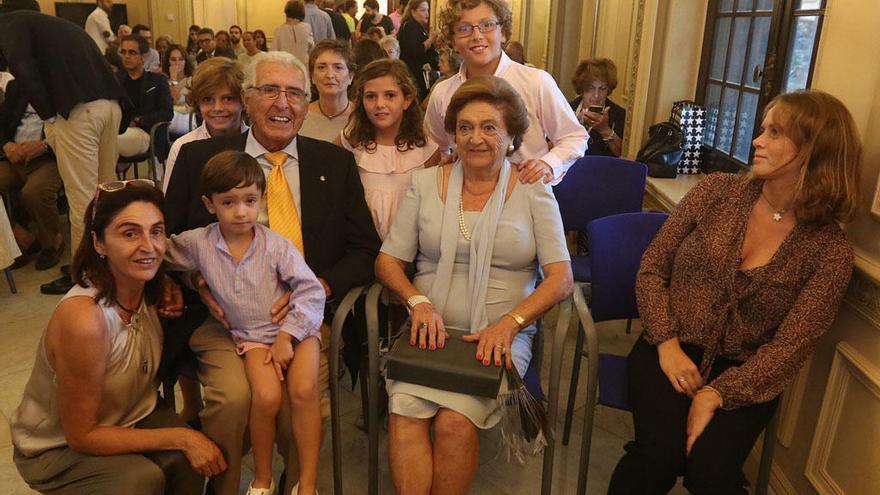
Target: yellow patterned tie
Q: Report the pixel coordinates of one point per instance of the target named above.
(283, 217)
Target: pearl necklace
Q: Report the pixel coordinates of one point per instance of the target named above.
(461, 225)
(777, 213)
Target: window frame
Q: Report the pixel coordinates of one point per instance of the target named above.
(782, 19)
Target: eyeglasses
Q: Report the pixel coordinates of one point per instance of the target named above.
(269, 92)
(113, 186)
(465, 30)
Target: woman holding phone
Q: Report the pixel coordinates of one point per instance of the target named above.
(595, 79)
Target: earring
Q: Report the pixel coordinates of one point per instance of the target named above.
(102, 256)
(510, 149)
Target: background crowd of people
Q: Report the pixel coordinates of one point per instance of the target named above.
(348, 150)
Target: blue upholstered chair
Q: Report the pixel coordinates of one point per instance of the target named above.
(616, 244)
(595, 187)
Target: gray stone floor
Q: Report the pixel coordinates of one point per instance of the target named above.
(23, 316)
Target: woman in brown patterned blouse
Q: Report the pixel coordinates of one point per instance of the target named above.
(734, 293)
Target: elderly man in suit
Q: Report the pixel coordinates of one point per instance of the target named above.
(316, 181)
(79, 102)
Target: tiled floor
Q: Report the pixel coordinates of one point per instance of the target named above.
(23, 316)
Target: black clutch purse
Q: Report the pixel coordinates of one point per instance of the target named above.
(453, 368)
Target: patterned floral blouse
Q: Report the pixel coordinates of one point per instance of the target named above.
(770, 317)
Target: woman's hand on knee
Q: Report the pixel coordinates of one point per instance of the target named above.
(682, 373)
(203, 454)
(427, 329)
(701, 412)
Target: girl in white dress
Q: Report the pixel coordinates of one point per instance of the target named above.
(385, 134)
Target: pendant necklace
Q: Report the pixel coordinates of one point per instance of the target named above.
(777, 212)
(331, 117)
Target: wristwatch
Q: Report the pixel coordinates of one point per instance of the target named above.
(610, 137)
(520, 321)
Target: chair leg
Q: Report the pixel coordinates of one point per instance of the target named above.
(562, 323)
(10, 280)
(372, 378)
(572, 387)
(592, 341)
(629, 326)
(335, 340)
(763, 480)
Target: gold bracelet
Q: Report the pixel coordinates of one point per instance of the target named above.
(709, 388)
(520, 321)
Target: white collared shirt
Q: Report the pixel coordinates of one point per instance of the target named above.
(290, 168)
(550, 116)
(97, 23)
(197, 134)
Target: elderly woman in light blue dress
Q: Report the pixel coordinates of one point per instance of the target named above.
(478, 237)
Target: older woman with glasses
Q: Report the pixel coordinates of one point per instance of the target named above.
(478, 237)
(90, 420)
(477, 29)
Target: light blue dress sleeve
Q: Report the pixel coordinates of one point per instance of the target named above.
(547, 224)
(403, 238)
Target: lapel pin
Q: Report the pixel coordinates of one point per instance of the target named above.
(322, 178)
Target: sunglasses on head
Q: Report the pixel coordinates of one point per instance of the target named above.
(113, 186)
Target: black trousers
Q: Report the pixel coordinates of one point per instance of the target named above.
(656, 458)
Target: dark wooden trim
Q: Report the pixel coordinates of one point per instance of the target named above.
(705, 55)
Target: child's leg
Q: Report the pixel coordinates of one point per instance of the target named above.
(265, 402)
(191, 392)
(302, 385)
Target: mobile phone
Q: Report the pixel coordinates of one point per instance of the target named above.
(596, 108)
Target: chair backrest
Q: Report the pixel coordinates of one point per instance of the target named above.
(598, 186)
(160, 141)
(617, 243)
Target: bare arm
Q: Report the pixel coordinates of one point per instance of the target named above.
(557, 285)
(77, 345)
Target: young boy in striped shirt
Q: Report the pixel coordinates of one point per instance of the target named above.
(249, 266)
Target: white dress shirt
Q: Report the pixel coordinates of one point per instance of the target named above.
(550, 116)
(197, 134)
(290, 168)
(97, 23)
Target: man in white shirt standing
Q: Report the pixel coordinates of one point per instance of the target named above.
(98, 25)
(478, 33)
(322, 26)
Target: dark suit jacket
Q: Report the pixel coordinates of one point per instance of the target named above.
(340, 240)
(339, 237)
(154, 104)
(219, 52)
(340, 27)
(57, 63)
(11, 111)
